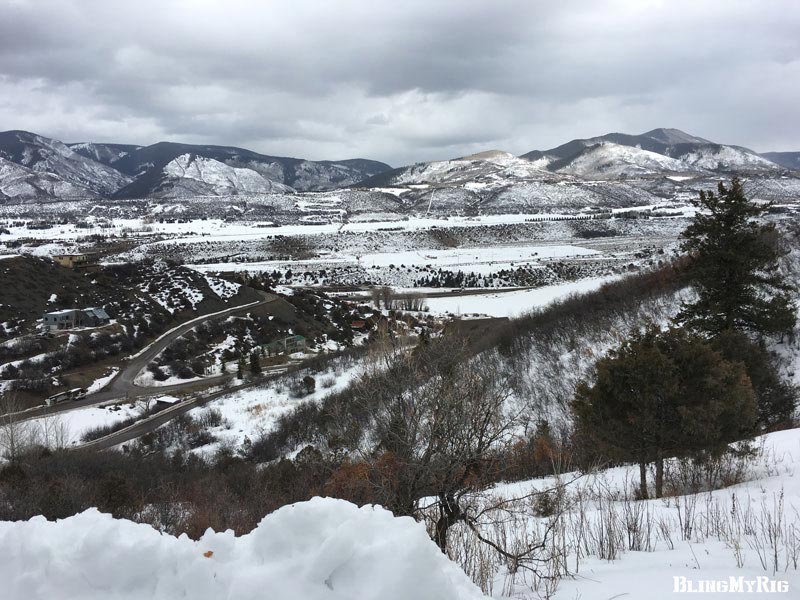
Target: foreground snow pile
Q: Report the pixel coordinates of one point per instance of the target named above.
(321, 549)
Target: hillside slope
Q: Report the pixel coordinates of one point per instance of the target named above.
(147, 164)
(55, 159)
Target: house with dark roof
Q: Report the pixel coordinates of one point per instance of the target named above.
(71, 318)
(287, 345)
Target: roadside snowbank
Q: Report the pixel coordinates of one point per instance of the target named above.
(322, 549)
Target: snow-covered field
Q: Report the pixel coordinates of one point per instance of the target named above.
(323, 549)
(474, 259)
(478, 260)
(511, 304)
(66, 428)
(214, 229)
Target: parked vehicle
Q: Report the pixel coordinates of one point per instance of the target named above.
(75, 394)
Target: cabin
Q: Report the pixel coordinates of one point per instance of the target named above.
(71, 318)
(75, 261)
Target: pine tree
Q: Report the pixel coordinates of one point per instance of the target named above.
(775, 398)
(255, 363)
(661, 395)
(734, 268)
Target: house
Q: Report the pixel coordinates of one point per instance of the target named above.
(74, 261)
(94, 317)
(71, 318)
(287, 345)
(60, 319)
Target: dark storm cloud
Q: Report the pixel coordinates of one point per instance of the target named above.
(399, 81)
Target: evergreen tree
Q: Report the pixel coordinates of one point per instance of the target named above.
(661, 395)
(255, 363)
(240, 366)
(734, 268)
(775, 398)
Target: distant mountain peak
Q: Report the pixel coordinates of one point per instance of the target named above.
(489, 155)
(673, 136)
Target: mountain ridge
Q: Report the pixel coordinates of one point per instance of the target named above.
(39, 168)
(52, 169)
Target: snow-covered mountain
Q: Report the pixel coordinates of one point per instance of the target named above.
(56, 159)
(607, 160)
(656, 153)
(20, 183)
(490, 169)
(48, 169)
(727, 159)
(107, 154)
(129, 171)
(146, 165)
(694, 152)
(190, 175)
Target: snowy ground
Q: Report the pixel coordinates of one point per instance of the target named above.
(749, 530)
(482, 260)
(471, 258)
(248, 413)
(68, 427)
(154, 237)
(323, 549)
(511, 304)
(101, 382)
(219, 230)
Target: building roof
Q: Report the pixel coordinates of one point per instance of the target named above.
(97, 312)
(58, 313)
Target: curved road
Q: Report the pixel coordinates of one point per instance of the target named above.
(123, 386)
(155, 421)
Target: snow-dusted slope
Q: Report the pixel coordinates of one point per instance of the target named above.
(715, 157)
(323, 549)
(107, 154)
(19, 183)
(491, 169)
(608, 160)
(694, 152)
(196, 175)
(147, 163)
(45, 155)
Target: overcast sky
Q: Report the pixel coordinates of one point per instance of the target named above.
(399, 80)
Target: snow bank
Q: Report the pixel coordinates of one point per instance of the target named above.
(101, 382)
(321, 549)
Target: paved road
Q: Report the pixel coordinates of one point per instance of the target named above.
(123, 386)
(145, 426)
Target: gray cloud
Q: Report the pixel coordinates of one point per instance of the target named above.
(399, 81)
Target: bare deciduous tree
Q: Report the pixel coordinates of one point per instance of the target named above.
(439, 417)
(16, 435)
